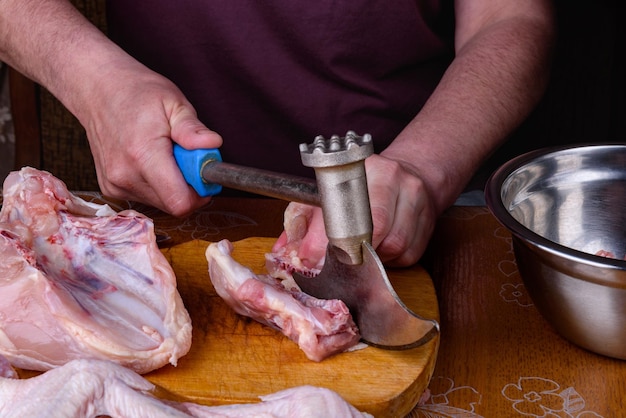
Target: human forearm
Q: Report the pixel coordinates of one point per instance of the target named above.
(53, 44)
(498, 75)
(130, 113)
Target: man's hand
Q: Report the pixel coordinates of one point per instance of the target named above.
(403, 211)
(131, 132)
(403, 215)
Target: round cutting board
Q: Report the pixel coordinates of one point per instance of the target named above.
(234, 359)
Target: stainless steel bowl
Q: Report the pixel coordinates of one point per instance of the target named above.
(562, 206)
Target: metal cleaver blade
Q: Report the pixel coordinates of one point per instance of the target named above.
(383, 319)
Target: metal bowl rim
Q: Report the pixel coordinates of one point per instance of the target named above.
(496, 206)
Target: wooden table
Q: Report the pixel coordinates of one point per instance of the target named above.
(497, 356)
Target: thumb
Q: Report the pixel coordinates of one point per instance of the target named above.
(190, 133)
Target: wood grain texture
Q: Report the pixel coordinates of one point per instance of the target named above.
(234, 359)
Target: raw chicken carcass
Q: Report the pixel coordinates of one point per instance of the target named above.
(321, 328)
(91, 388)
(79, 280)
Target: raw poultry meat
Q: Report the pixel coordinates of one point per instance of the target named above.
(6, 370)
(91, 388)
(321, 328)
(291, 249)
(608, 254)
(82, 281)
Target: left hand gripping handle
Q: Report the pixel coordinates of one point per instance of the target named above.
(191, 163)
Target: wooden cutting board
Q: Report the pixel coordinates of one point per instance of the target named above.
(234, 359)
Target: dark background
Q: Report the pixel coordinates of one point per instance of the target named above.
(586, 98)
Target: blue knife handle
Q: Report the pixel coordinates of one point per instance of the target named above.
(191, 163)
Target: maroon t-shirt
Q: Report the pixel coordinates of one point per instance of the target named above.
(269, 75)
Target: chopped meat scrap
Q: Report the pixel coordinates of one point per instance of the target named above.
(78, 280)
(90, 388)
(321, 328)
(6, 370)
(608, 254)
(293, 246)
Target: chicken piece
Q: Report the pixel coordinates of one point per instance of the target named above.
(91, 388)
(82, 281)
(292, 247)
(608, 254)
(6, 370)
(321, 328)
(298, 402)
